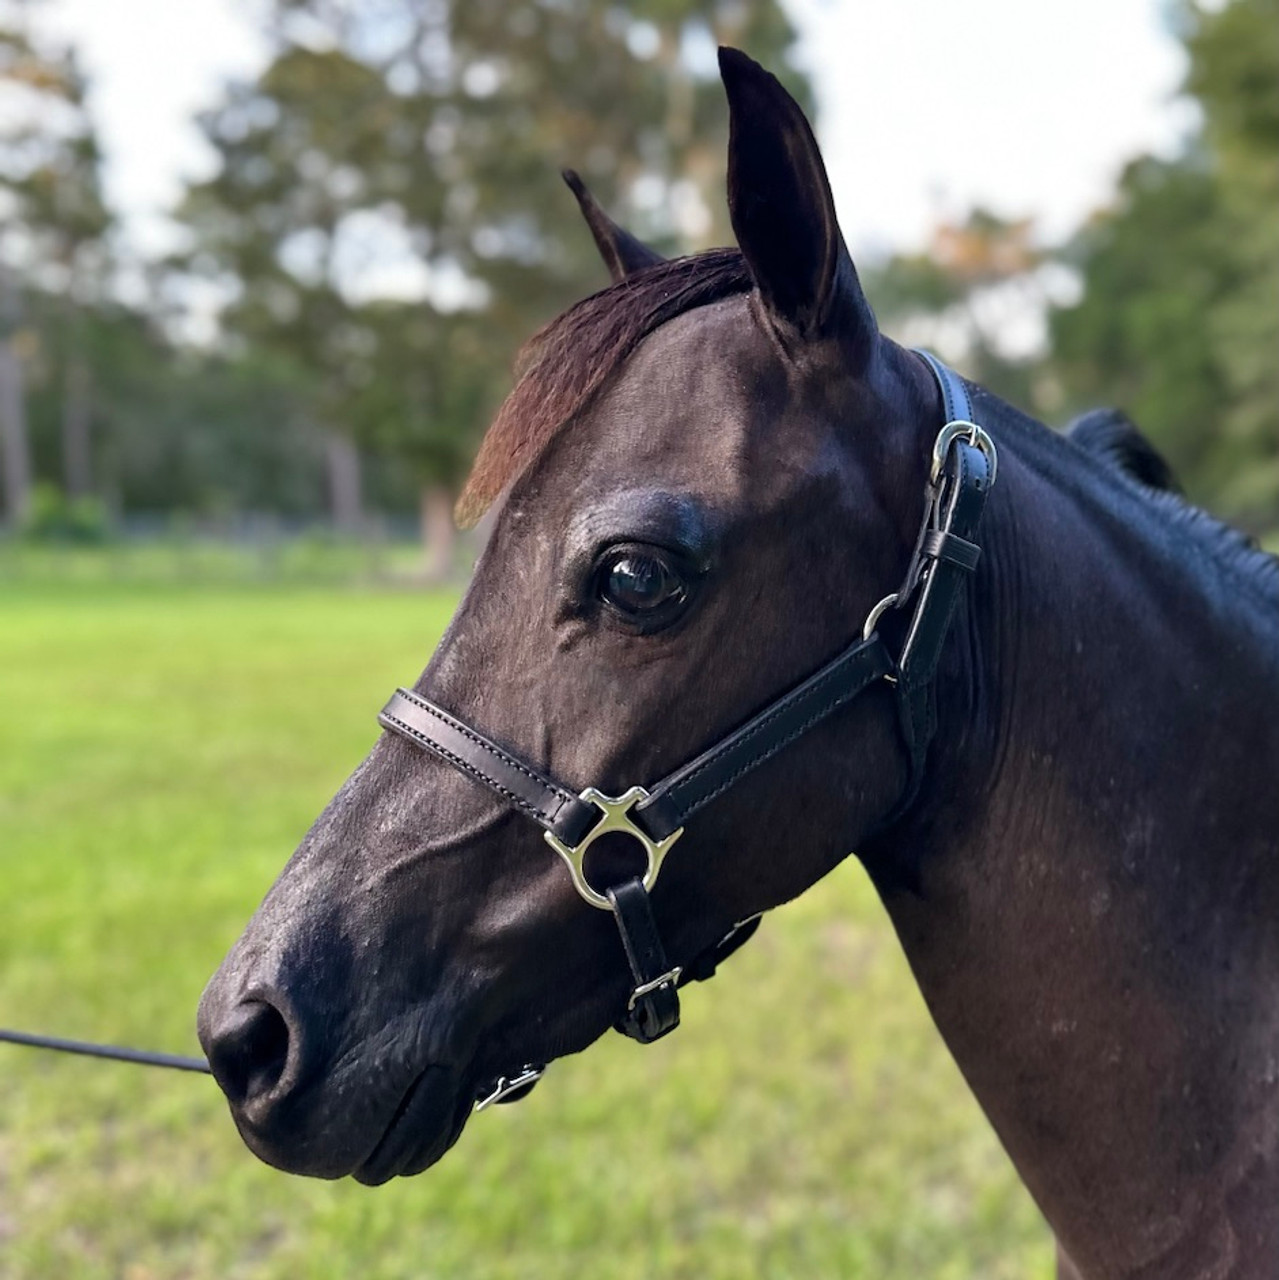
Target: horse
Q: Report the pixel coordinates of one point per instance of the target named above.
(1046, 719)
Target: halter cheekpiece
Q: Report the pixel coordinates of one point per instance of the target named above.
(961, 473)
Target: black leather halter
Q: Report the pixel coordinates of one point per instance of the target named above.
(945, 553)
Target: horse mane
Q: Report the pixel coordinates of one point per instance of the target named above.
(1111, 437)
(1111, 434)
(561, 369)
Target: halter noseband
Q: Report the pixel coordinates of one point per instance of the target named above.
(945, 553)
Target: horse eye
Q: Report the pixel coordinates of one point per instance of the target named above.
(641, 584)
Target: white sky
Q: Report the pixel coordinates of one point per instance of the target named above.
(1030, 107)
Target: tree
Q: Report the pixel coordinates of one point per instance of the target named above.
(1179, 316)
(1234, 73)
(52, 239)
(972, 295)
(1155, 267)
(387, 213)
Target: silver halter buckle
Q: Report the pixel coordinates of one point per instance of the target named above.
(670, 978)
(956, 429)
(975, 435)
(616, 811)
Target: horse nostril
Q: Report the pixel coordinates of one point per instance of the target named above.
(249, 1051)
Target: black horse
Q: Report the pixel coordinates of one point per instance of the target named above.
(708, 476)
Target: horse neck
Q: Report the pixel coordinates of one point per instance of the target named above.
(1095, 880)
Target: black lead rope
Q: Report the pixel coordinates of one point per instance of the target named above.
(117, 1053)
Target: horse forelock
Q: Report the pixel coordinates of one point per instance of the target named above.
(561, 369)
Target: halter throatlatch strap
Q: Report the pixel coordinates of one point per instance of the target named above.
(702, 968)
(944, 554)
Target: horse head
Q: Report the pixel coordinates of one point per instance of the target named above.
(705, 478)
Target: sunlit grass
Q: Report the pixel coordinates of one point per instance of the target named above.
(161, 751)
(300, 559)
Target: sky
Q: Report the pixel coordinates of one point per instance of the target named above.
(927, 107)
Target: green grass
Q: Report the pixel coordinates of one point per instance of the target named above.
(307, 559)
(157, 766)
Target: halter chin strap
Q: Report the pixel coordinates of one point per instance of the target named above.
(961, 473)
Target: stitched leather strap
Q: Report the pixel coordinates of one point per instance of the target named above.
(952, 557)
(703, 966)
(539, 797)
(945, 554)
(955, 401)
(677, 796)
(681, 794)
(653, 1010)
(964, 499)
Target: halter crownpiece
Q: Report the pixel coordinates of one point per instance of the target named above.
(962, 470)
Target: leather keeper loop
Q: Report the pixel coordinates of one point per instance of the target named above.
(939, 545)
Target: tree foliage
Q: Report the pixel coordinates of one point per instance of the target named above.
(965, 295)
(385, 223)
(54, 215)
(1179, 317)
(53, 225)
(387, 215)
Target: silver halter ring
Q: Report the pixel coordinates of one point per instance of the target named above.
(616, 811)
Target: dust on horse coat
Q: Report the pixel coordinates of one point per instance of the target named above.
(706, 477)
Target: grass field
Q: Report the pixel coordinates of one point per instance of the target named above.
(156, 769)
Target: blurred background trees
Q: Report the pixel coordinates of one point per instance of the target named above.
(384, 224)
(1179, 318)
(387, 219)
(1175, 313)
(54, 261)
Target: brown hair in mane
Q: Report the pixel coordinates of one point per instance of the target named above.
(564, 365)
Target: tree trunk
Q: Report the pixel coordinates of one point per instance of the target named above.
(15, 450)
(77, 411)
(345, 498)
(439, 534)
(13, 437)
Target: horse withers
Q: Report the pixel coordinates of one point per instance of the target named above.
(706, 479)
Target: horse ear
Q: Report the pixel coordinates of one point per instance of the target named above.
(623, 254)
(782, 210)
